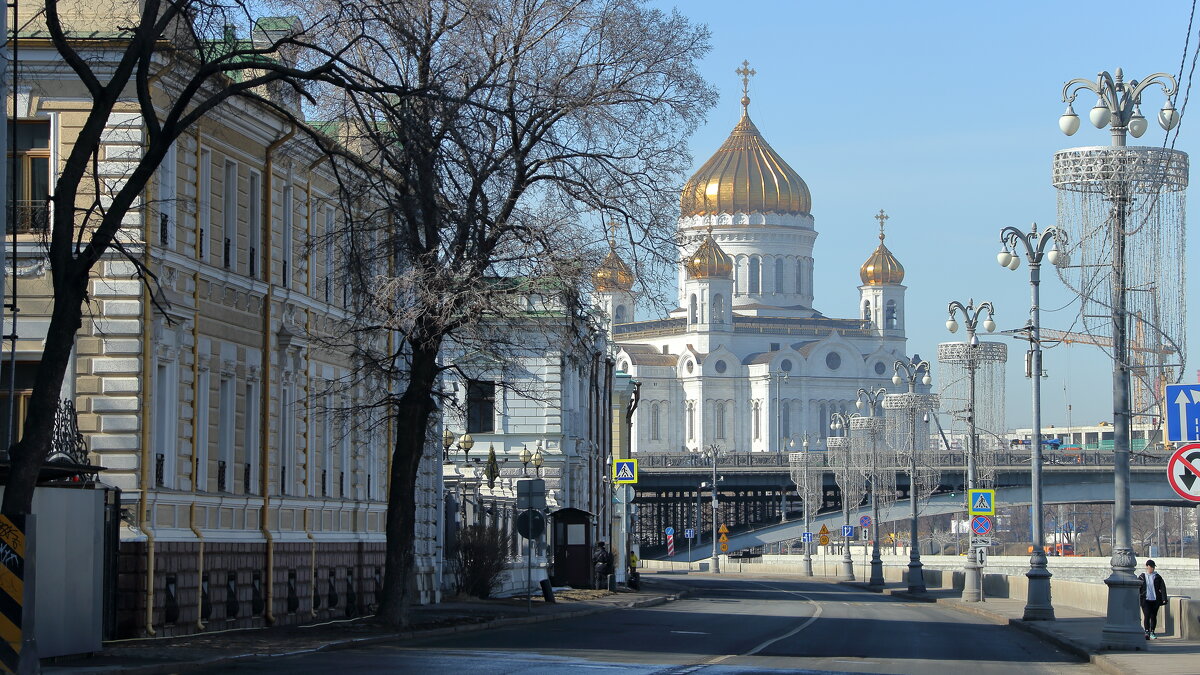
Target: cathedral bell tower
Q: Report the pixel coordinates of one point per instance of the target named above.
(614, 288)
(708, 288)
(881, 304)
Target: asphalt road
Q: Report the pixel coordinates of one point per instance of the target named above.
(728, 626)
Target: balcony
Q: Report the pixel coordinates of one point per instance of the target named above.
(32, 217)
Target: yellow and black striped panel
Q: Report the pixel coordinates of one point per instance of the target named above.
(12, 590)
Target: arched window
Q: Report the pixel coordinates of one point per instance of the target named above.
(754, 277)
(692, 311)
(719, 420)
(619, 314)
(785, 420)
(889, 315)
(691, 420)
(824, 421)
(800, 275)
(778, 275)
(866, 311)
(718, 308)
(654, 423)
(756, 421)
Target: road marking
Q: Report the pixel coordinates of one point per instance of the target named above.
(689, 632)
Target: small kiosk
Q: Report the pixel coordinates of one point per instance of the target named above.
(571, 541)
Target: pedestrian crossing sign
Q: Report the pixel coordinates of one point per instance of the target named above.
(981, 502)
(624, 471)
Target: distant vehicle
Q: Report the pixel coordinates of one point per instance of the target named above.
(1064, 550)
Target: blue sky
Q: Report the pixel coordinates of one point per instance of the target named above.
(945, 115)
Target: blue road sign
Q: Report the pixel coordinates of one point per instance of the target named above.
(807, 537)
(981, 525)
(847, 530)
(670, 530)
(1083, 527)
(981, 502)
(689, 533)
(865, 521)
(1183, 413)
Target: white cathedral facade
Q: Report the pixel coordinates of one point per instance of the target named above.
(746, 361)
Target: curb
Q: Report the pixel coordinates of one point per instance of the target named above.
(351, 643)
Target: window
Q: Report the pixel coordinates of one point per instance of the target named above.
(326, 468)
(167, 186)
(329, 254)
(720, 367)
(879, 368)
(833, 360)
(778, 275)
(204, 218)
(250, 442)
(203, 402)
(866, 311)
(889, 315)
(345, 469)
(785, 420)
(229, 215)
(163, 418)
(754, 279)
(29, 186)
(692, 311)
(786, 365)
(691, 420)
(287, 206)
(254, 222)
(719, 421)
(227, 430)
(26, 372)
(655, 428)
(755, 421)
(718, 308)
(823, 421)
(800, 275)
(619, 314)
(287, 430)
(481, 407)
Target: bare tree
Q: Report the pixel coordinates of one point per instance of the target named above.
(171, 62)
(514, 130)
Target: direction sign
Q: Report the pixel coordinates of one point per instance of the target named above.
(981, 556)
(669, 530)
(624, 471)
(865, 521)
(724, 547)
(689, 533)
(1183, 412)
(866, 534)
(981, 525)
(1183, 472)
(824, 540)
(981, 502)
(806, 537)
(824, 529)
(847, 530)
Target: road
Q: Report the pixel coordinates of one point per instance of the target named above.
(729, 625)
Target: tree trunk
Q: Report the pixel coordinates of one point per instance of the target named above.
(412, 414)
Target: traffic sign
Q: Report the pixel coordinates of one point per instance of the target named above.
(807, 537)
(824, 529)
(865, 521)
(531, 523)
(1183, 469)
(669, 530)
(866, 534)
(724, 538)
(981, 502)
(847, 530)
(981, 525)
(689, 533)
(981, 556)
(724, 547)
(625, 471)
(1183, 413)
(722, 529)
(824, 540)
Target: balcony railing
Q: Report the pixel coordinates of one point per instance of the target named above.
(32, 217)
(819, 458)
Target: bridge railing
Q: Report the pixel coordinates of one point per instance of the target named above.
(767, 460)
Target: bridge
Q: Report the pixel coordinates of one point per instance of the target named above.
(755, 492)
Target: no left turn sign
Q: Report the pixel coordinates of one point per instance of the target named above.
(1183, 471)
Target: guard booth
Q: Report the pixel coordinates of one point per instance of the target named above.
(571, 548)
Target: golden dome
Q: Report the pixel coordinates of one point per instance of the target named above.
(882, 268)
(745, 176)
(709, 261)
(613, 274)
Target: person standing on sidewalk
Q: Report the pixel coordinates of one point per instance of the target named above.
(601, 564)
(1154, 595)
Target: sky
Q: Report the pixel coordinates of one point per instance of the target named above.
(945, 115)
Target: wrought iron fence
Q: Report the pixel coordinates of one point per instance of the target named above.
(33, 217)
(681, 460)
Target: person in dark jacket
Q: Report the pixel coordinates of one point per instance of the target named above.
(601, 564)
(1154, 595)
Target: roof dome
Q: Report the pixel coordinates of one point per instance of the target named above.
(709, 261)
(882, 268)
(745, 175)
(613, 274)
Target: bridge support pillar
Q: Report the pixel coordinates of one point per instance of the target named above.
(1037, 602)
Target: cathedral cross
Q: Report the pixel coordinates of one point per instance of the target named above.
(881, 217)
(746, 72)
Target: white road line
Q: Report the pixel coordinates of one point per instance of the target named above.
(689, 632)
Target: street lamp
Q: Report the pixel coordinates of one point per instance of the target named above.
(1033, 244)
(972, 581)
(808, 570)
(525, 457)
(712, 452)
(847, 482)
(869, 400)
(447, 441)
(1117, 107)
(913, 404)
(538, 459)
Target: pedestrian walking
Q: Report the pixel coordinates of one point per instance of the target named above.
(601, 564)
(635, 580)
(1154, 595)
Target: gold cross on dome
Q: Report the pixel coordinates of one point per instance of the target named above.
(612, 236)
(746, 72)
(881, 217)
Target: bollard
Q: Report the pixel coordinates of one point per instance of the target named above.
(547, 591)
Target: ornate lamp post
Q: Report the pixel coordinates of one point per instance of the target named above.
(873, 426)
(799, 469)
(972, 581)
(538, 459)
(911, 405)
(711, 452)
(1083, 170)
(1033, 245)
(848, 481)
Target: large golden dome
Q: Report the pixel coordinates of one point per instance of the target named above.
(882, 268)
(613, 274)
(745, 176)
(709, 261)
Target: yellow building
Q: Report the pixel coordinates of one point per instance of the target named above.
(252, 495)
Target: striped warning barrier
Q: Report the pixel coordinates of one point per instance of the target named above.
(670, 544)
(12, 590)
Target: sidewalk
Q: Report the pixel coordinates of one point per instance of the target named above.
(1074, 630)
(208, 650)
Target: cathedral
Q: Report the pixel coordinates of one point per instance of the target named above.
(746, 362)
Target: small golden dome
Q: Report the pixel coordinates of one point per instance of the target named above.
(709, 261)
(882, 268)
(745, 176)
(613, 274)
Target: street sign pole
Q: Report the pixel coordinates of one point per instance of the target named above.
(529, 561)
